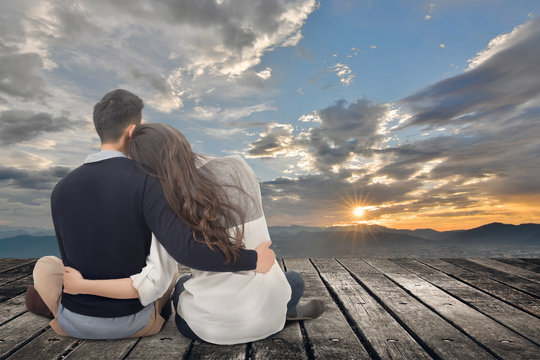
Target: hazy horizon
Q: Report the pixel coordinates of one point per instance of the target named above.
(407, 114)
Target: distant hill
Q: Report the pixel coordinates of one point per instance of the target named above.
(523, 234)
(491, 240)
(10, 231)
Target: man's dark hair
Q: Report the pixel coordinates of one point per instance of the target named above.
(114, 112)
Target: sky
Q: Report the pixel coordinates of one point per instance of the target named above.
(418, 114)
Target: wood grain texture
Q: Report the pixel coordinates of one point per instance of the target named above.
(501, 291)
(19, 331)
(520, 263)
(444, 340)
(102, 349)
(330, 335)
(48, 345)
(509, 269)
(11, 263)
(516, 282)
(496, 337)
(524, 324)
(396, 309)
(383, 333)
(11, 308)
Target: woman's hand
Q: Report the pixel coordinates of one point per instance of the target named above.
(73, 281)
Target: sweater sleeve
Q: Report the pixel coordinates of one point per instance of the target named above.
(177, 239)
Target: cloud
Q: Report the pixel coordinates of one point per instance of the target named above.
(344, 73)
(17, 126)
(499, 79)
(428, 16)
(275, 140)
(19, 76)
(265, 74)
(167, 51)
(215, 113)
(30, 179)
(342, 131)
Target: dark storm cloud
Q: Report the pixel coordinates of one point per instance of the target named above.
(502, 82)
(17, 126)
(28, 179)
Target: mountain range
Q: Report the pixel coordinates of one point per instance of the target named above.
(491, 240)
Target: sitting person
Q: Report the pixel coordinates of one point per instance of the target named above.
(220, 200)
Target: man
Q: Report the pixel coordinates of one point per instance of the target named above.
(104, 214)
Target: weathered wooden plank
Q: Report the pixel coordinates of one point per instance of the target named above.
(11, 263)
(383, 333)
(16, 273)
(102, 349)
(444, 340)
(48, 345)
(203, 350)
(521, 322)
(516, 282)
(499, 339)
(12, 308)
(532, 260)
(509, 269)
(20, 330)
(520, 263)
(330, 335)
(501, 291)
(167, 344)
(15, 288)
(287, 344)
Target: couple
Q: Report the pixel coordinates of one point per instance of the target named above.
(131, 212)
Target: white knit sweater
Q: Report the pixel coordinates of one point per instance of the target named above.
(225, 308)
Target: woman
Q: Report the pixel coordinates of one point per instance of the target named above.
(220, 200)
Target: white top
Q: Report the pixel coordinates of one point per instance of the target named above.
(231, 307)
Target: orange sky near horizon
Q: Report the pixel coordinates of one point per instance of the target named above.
(515, 210)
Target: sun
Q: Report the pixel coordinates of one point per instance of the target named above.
(358, 211)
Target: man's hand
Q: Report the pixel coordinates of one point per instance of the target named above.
(73, 281)
(265, 257)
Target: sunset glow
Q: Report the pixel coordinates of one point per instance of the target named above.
(358, 211)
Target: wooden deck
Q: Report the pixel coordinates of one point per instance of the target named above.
(374, 309)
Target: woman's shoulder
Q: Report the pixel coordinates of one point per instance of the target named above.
(230, 162)
(229, 168)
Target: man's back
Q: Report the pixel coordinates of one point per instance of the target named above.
(98, 215)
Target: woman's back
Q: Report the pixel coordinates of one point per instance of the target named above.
(228, 308)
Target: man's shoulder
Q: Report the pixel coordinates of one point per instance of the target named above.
(120, 166)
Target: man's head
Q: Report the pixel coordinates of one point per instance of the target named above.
(114, 113)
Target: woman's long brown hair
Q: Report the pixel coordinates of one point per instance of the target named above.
(198, 200)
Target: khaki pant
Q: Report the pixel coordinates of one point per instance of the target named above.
(48, 276)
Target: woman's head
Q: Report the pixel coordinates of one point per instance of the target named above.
(193, 195)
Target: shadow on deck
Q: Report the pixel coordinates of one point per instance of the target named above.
(374, 309)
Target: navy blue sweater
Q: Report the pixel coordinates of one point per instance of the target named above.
(104, 214)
